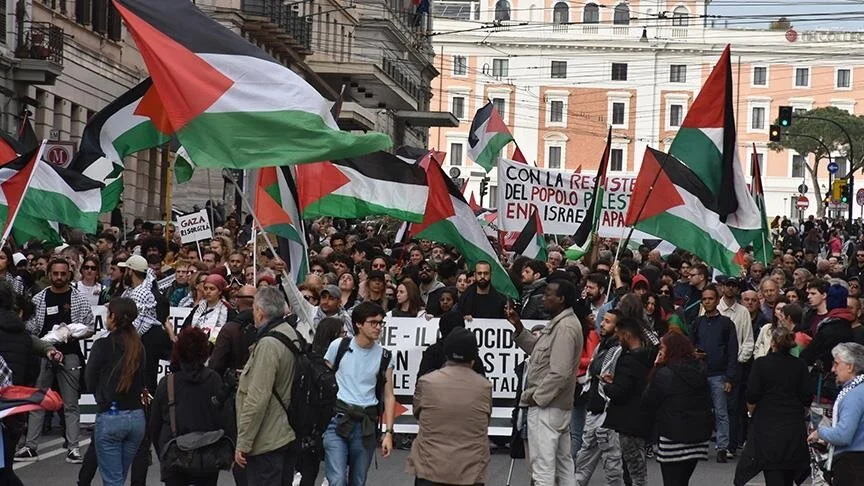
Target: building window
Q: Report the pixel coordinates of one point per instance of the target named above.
(499, 104)
(676, 115)
(798, 164)
(561, 13)
(802, 77)
(844, 78)
(680, 17)
(760, 76)
(458, 107)
(559, 69)
(616, 159)
(678, 73)
(502, 10)
(554, 160)
(621, 15)
(460, 65)
(617, 113)
(500, 68)
(619, 71)
(757, 120)
(455, 154)
(591, 14)
(83, 12)
(556, 111)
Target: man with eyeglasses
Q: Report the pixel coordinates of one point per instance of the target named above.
(856, 268)
(364, 373)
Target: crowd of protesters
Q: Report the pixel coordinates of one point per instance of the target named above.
(643, 355)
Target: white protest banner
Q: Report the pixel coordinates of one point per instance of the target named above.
(562, 198)
(194, 227)
(407, 338)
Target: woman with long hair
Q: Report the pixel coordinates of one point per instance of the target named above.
(654, 314)
(90, 285)
(349, 287)
(678, 392)
(213, 311)
(195, 390)
(408, 300)
(8, 271)
(116, 378)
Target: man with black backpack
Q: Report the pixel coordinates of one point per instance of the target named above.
(364, 373)
(264, 438)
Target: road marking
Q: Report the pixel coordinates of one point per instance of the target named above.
(47, 455)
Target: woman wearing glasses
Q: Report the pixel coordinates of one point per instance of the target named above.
(89, 286)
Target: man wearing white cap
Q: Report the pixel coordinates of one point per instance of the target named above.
(139, 287)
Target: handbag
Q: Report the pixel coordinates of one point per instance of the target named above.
(195, 453)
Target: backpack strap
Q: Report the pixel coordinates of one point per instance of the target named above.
(344, 346)
(172, 405)
(294, 349)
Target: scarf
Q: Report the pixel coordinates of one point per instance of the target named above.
(210, 319)
(848, 387)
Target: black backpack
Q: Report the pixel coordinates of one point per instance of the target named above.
(163, 305)
(313, 393)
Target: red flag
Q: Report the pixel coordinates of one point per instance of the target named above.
(518, 157)
(14, 179)
(473, 203)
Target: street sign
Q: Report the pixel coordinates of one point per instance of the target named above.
(832, 167)
(802, 188)
(802, 203)
(859, 196)
(59, 153)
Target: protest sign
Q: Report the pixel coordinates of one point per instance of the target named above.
(194, 227)
(561, 198)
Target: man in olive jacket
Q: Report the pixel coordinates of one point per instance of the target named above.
(263, 431)
(550, 383)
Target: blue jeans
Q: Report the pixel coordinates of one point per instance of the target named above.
(577, 426)
(346, 454)
(721, 415)
(117, 438)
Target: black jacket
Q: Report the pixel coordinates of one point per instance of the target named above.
(194, 389)
(103, 370)
(490, 306)
(231, 350)
(779, 385)
(16, 348)
(832, 331)
(717, 337)
(531, 305)
(625, 413)
(679, 398)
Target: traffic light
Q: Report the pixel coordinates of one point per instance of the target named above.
(827, 197)
(846, 196)
(774, 133)
(484, 186)
(838, 191)
(786, 113)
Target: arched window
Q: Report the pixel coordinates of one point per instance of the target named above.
(502, 10)
(622, 14)
(561, 13)
(680, 17)
(532, 13)
(591, 14)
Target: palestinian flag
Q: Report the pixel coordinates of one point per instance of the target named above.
(183, 166)
(763, 249)
(25, 140)
(588, 226)
(696, 197)
(450, 220)
(126, 126)
(228, 102)
(531, 242)
(64, 196)
(369, 185)
(488, 135)
(277, 210)
(15, 178)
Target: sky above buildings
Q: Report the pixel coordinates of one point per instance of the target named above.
(844, 15)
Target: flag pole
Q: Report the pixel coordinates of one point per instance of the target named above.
(644, 203)
(170, 176)
(254, 256)
(11, 218)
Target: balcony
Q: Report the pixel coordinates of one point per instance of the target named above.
(278, 26)
(413, 27)
(39, 54)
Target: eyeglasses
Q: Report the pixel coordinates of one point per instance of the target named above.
(665, 292)
(88, 267)
(375, 323)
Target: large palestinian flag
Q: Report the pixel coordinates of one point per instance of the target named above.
(277, 211)
(14, 178)
(531, 243)
(126, 126)
(763, 249)
(488, 135)
(700, 200)
(229, 103)
(376, 184)
(588, 226)
(450, 220)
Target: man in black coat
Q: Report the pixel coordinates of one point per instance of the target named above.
(481, 300)
(834, 329)
(533, 286)
(624, 387)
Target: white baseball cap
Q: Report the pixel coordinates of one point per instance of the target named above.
(135, 262)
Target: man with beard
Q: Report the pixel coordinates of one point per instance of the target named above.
(533, 287)
(429, 282)
(59, 304)
(105, 250)
(481, 300)
(236, 260)
(594, 293)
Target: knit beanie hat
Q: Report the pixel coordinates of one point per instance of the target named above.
(837, 295)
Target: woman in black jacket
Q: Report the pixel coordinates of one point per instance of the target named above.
(778, 396)
(194, 388)
(433, 357)
(679, 395)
